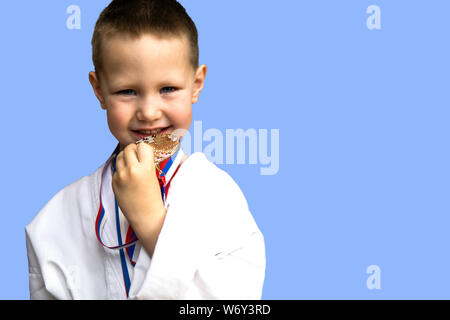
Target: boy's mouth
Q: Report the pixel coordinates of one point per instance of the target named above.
(141, 134)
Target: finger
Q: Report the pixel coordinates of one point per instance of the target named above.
(130, 155)
(120, 162)
(145, 152)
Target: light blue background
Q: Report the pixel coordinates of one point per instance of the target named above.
(363, 118)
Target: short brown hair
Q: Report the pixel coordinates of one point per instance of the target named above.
(163, 18)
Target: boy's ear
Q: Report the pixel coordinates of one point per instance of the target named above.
(95, 83)
(199, 82)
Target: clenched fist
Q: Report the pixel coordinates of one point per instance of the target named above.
(138, 193)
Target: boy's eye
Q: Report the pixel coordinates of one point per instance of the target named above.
(126, 92)
(168, 89)
(163, 90)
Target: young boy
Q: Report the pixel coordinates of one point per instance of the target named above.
(120, 233)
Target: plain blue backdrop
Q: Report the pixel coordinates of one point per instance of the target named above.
(363, 118)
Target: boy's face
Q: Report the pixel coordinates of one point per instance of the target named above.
(146, 84)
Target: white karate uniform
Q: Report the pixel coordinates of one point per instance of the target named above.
(209, 246)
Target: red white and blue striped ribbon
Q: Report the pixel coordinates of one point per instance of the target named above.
(168, 167)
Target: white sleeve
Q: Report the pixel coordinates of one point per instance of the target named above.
(236, 275)
(178, 272)
(38, 290)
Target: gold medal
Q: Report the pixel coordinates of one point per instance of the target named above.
(164, 146)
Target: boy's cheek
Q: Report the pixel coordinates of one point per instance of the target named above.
(181, 115)
(118, 123)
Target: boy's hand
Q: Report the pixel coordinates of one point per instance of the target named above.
(138, 193)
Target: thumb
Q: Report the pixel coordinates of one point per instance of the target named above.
(145, 152)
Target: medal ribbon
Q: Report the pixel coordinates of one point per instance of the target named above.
(168, 169)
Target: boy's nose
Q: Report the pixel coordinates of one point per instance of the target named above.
(149, 112)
